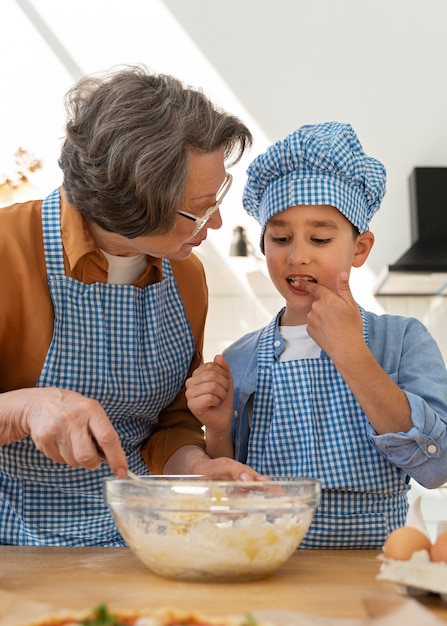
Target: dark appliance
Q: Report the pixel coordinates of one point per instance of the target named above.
(428, 204)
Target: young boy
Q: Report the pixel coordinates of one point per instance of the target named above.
(327, 389)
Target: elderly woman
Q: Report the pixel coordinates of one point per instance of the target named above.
(103, 306)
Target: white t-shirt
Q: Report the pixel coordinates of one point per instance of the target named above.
(124, 270)
(298, 344)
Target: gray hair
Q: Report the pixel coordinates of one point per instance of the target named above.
(128, 138)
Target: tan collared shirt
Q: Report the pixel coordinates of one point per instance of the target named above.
(26, 311)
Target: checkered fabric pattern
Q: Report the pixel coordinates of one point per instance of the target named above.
(118, 344)
(307, 423)
(349, 520)
(316, 164)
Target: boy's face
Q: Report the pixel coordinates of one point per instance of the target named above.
(314, 243)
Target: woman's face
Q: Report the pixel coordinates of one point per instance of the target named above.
(206, 175)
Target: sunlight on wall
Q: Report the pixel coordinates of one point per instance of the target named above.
(98, 36)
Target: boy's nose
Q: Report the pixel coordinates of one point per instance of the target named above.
(298, 255)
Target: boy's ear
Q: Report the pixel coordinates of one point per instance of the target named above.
(363, 246)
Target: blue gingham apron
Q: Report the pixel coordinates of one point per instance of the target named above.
(306, 422)
(127, 347)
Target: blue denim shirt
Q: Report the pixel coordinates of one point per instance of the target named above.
(410, 356)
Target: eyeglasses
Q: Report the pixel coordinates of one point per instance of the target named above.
(201, 221)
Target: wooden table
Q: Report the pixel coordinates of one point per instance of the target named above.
(320, 582)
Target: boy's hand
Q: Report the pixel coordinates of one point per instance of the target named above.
(209, 393)
(334, 321)
(336, 324)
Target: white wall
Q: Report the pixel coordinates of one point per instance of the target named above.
(378, 64)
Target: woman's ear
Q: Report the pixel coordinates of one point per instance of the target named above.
(363, 246)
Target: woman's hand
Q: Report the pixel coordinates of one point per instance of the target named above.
(193, 460)
(65, 425)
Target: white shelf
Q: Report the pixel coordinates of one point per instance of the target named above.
(412, 284)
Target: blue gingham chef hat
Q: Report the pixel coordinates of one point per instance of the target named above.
(316, 164)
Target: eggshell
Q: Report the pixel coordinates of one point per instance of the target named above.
(438, 551)
(405, 541)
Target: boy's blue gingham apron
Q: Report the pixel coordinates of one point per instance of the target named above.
(127, 347)
(306, 422)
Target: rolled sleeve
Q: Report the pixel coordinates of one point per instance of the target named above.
(422, 451)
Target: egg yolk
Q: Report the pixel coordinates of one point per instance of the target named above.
(403, 542)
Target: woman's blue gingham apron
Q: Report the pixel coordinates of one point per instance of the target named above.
(127, 347)
(306, 422)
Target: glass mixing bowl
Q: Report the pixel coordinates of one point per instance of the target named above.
(193, 528)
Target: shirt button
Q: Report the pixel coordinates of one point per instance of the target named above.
(431, 449)
(277, 343)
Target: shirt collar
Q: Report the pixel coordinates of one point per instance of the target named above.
(79, 243)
